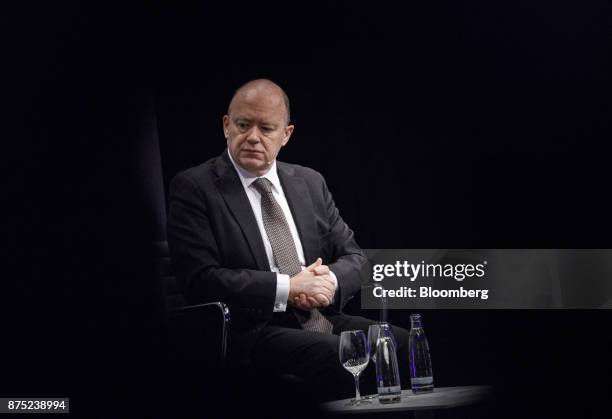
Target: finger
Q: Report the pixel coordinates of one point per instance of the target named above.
(324, 291)
(322, 300)
(328, 278)
(304, 302)
(321, 270)
(314, 302)
(316, 263)
(327, 284)
(297, 301)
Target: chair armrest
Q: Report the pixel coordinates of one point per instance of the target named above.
(201, 324)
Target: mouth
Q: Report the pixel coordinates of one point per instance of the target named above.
(252, 151)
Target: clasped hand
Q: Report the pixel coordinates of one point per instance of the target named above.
(312, 288)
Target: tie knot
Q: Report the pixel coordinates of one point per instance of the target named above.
(263, 185)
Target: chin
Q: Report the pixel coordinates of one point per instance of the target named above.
(253, 166)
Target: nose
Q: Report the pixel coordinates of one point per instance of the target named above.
(253, 135)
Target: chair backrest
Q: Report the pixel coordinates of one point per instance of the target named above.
(172, 292)
(199, 332)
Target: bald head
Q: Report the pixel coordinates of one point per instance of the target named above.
(261, 91)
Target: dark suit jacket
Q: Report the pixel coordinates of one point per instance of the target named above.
(217, 250)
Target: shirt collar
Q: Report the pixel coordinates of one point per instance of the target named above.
(247, 178)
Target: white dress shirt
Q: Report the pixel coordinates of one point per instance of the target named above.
(247, 178)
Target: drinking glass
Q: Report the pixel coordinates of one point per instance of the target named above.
(354, 357)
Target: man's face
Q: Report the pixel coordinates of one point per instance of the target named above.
(256, 129)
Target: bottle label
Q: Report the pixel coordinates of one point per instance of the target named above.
(422, 380)
(382, 391)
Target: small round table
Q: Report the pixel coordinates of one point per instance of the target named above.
(440, 398)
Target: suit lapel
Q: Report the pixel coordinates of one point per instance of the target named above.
(302, 209)
(236, 199)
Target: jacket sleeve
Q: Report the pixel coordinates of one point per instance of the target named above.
(197, 262)
(345, 258)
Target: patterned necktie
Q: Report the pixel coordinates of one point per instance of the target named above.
(285, 252)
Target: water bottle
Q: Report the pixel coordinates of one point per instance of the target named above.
(421, 373)
(387, 369)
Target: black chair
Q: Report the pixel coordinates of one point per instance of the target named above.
(199, 332)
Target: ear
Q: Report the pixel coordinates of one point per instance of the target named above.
(226, 122)
(288, 131)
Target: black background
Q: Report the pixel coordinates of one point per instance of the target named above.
(436, 125)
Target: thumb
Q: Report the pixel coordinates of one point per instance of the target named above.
(317, 262)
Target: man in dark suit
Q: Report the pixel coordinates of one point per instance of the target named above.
(266, 238)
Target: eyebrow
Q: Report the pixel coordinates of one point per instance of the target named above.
(271, 125)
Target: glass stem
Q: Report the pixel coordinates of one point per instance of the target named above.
(357, 394)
